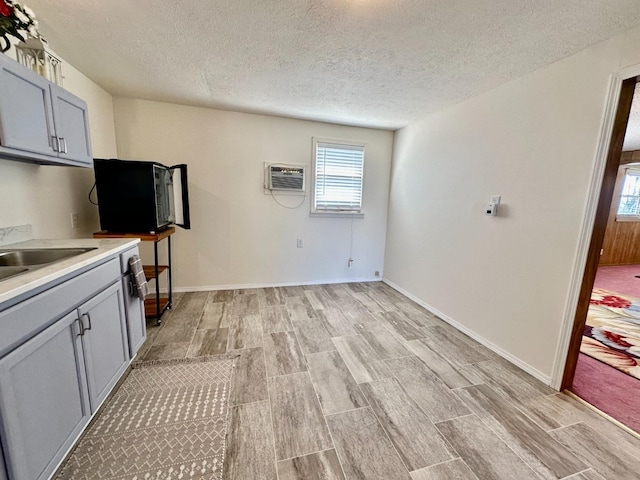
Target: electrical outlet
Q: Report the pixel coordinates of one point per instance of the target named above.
(300, 243)
(377, 273)
(74, 220)
(350, 263)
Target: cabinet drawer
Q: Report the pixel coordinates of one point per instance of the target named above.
(22, 321)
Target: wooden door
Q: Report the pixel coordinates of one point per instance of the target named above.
(599, 228)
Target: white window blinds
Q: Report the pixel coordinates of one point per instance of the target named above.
(630, 198)
(338, 177)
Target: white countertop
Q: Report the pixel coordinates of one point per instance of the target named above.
(22, 283)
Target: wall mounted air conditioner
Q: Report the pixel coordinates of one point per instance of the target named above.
(285, 178)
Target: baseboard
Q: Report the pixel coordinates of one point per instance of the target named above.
(546, 379)
(239, 286)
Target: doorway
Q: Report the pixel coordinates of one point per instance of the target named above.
(588, 333)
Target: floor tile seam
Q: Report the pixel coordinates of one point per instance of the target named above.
(578, 473)
(497, 430)
(426, 414)
(400, 340)
(247, 403)
(287, 374)
(273, 432)
(602, 414)
(314, 385)
(524, 462)
(171, 343)
(193, 336)
(420, 406)
(574, 424)
(443, 463)
(452, 362)
(324, 419)
(348, 409)
(307, 454)
(524, 409)
(395, 449)
(345, 363)
(393, 332)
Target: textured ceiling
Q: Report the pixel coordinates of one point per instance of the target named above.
(380, 63)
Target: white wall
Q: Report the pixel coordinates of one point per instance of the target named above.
(45, 196)
(239, 235)
(533, 141)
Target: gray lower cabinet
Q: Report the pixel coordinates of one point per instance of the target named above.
(52, 382)
(104, 342)
(44, 400)
(39, 121)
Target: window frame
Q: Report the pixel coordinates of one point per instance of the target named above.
(621, 217)
(329, 212)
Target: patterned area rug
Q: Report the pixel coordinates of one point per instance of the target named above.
(168, 420)
(612, 332)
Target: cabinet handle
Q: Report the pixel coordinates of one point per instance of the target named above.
(81, 327)
(55, 144)
(63, 144)
(89, 319)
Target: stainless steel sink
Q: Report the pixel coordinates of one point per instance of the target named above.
(44, 256)
(6, 272)
(15, 262)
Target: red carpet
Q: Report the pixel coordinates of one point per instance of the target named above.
(612, 331)
(609, 390)
(619, 279)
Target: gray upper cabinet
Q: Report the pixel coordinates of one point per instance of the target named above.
(72, 126)
(104, 341)
(26, 114)
(43, 399)
(39, 121)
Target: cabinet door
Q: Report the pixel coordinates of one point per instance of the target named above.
(43, 400)
(72, 126)
(26, 118)
(105, 344)
(136, 321)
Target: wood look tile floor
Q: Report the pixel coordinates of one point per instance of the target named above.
(355, 381)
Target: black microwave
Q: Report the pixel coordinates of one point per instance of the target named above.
(136, 196)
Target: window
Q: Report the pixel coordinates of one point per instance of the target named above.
(338, 169)
(629, 207)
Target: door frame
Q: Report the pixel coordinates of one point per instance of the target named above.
(592, 229)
